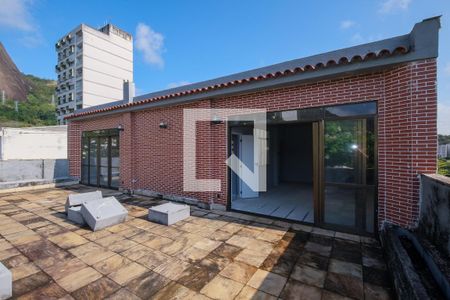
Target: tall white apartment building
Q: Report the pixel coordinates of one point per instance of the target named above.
(92, 67)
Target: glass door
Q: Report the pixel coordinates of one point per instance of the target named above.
(348, 174)
(100, 159)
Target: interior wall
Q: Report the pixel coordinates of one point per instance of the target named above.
(296, 155)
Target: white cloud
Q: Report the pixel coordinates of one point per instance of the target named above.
(15, 14)
(150, 43)
(177, 84)
(389, 6)
(443, 118)
(346, 24)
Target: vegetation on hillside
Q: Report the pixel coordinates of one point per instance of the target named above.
(443, 139)
(38, 110)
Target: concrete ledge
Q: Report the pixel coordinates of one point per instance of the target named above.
(19, 186)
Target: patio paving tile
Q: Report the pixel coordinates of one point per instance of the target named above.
(123, 294)
(127, 273)
(49, 291)
(78, 279)
(219, 262)
(222, 288)
(228, 251)
(267, 282)
(309, 275)
(197, 276)
(313, 260)
(111, 264)
(239, 272)
(91, 253)
(297, 290)
(345, 285)
(153, 259)
(64, 268)
(15, 261)
(24, 270)
(122, 246)
(136, 252)
(98, 289)
(248, 292)
(209, 255)
(251, 257)
(29, 283)
(147, 284)
(346, 268)
(172, 268)
(68, 240)
(175, 291)
(318, 249)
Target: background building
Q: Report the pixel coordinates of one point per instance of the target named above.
(92, 66)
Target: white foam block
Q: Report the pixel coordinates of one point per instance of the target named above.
(77, 199)
(74, 215)
(168, 213)
(5, 282)
(103, 213)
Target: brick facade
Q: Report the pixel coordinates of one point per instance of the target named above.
(151, 157)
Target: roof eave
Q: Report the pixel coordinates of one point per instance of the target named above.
(423, 42)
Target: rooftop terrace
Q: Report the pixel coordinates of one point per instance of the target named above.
(213, 254)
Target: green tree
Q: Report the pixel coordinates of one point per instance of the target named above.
(36, 111)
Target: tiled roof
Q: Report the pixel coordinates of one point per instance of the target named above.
(377, 51)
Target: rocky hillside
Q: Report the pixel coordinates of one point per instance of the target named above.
(16, 87)
(38, 110)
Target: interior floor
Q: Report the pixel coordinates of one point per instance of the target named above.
(293, 201)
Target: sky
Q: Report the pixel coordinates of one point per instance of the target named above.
(181, 42)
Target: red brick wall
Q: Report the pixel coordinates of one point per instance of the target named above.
(151, 157)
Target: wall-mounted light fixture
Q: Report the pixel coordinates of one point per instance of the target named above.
(163, 125)
(120, 127)
(216, 120)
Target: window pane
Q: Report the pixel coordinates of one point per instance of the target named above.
(115, 177)
(93, 175)
(104, 151)
(340, 205)
(84, 174)
(349, 110)
(93, 151)
(85, 151)
(342, 151)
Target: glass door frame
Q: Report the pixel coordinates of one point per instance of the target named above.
(319, 177)
(318, 116)
(87, 136)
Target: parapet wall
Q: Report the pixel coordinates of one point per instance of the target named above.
(434, 218)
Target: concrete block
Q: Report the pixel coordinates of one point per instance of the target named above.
(168, 213)
(5, 282)
(103, 213)
(78, 199)
(74, 215)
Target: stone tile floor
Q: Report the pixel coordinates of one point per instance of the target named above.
(218, 255)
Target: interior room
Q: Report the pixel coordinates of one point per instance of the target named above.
(289, 162)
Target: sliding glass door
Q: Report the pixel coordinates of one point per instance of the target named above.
(100, 158)
(349, 167)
